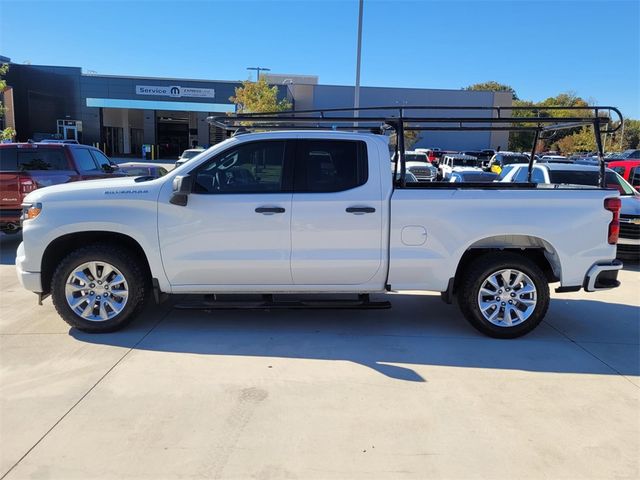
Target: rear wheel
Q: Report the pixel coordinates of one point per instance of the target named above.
(504, 295)
(98, 288)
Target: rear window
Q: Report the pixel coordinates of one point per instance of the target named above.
(8, 160)
(590, 178)
(42, 159)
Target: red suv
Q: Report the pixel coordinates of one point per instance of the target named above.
(627, 169)
(27, 166)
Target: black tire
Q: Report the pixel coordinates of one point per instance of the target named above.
(120, 258)
(479, 270)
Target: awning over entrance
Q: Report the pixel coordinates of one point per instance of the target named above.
(160, 105)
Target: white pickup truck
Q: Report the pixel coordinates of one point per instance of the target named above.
(311, 212)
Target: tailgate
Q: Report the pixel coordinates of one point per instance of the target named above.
(10, 195)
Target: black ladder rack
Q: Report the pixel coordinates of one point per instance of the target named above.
(433, 118)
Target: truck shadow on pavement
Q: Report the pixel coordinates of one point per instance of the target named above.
(419, 332)
(8, 246)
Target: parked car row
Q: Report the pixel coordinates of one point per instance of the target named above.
(25, 167)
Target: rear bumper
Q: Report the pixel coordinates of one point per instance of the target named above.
(602, 276)
(629, 241)
(29, 280)
(10, 216)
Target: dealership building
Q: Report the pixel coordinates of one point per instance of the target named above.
(122, 113)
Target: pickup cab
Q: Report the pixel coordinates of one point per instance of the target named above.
(313, 212)
(25, 167)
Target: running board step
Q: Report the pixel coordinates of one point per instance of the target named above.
(268, 303)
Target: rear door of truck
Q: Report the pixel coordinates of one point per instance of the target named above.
(337, 217)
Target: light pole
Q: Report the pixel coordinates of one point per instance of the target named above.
(258, 70)
(356, 96)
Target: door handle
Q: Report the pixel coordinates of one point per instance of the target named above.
(269, 210)
(360, 210)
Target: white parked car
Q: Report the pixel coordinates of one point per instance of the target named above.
(188, 155)
(458, 163)
(418, 164)
(236, 219)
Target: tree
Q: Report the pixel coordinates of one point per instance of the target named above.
(8, 133)
(523, 141)
(493, 86)
(258, 97)
(631, 137)
(581, 141)
(410, 139)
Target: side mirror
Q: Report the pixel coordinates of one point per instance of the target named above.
(182, 187)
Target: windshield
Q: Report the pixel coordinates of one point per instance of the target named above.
(612, 180)
(416, 157)
(461, 162)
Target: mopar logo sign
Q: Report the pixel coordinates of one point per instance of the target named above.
(175, 91)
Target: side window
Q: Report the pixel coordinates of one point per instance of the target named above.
(42, 159)
(257, 167)
(100, 158)
(84, 160)
(537, 176)
(634, 176)
(330, 165)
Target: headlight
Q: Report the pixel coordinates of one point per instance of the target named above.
(31, 210)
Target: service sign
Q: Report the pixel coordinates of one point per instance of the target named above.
(175, 91)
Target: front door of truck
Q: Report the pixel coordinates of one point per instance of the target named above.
(235, 228)
(336, 224)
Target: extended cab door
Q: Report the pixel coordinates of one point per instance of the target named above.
(235, 228)
(336, 224)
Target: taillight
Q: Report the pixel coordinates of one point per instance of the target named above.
(613, 205)
(26, 185)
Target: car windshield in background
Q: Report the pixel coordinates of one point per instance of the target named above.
(509, 159)
(612, 180)
(415, 157)
(462, 162)
(190, 154)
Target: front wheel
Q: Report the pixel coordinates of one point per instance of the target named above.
(98, 288)
(504, 295)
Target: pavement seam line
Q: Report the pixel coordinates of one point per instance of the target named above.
(85, 394)
(575, 342)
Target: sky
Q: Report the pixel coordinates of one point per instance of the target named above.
(540, 48)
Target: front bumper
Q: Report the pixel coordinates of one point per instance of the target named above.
(29, 280)
(602, 276)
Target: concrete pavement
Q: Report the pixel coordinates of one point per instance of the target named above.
(411, 392)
